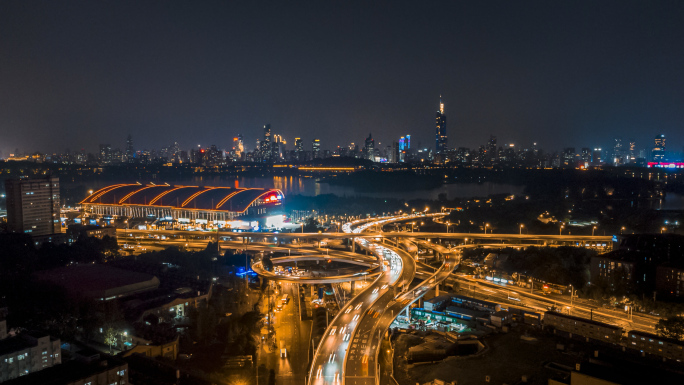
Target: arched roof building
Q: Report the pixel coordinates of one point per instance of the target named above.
(181, 202)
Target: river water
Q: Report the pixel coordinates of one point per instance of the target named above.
(672, 201)
(293, 185)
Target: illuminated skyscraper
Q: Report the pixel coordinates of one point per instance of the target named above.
(492, 151)
(130, 152)
(440, 130)
(105, 153)
(238, 146)
(369, 149)
(316, 148)
(277, 148)
(658, 152)
(266, 144)
(300, 154)
(631, 154)
(33, 205)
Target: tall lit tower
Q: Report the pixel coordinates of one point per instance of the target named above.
(440, 130)
(238, 146)
(266, 144)
(130, 152)
(316, 148)
(658, 152)
(369, 148)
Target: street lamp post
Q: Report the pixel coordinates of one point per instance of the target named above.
(485, 227)
(447, 226)
(572, 295)
(663, 229)
(622, 229)
(592, 230)
(521, 227)
(531, 285)
(560, 232)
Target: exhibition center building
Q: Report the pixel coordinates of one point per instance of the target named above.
(216, 207)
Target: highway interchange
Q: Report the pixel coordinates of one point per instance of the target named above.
(348, 353)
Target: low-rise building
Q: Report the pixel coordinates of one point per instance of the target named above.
(28, 353)
(612, 267)
(617, 372)
(437, 303)
(98, 281)
(474, 303)
(166, 305)
(583, 327)
(670, 280)
(653, 344)
(76, 231)
(107, 371)
(151, 348)
(501, 318)
(467, 314)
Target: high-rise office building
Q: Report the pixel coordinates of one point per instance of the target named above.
(568, 157)
(658, 153)
(596, 157)
(394, 153)
(277, 148)
(238, 147)
(585, 156)
(266, 145)
(316, 148)
(492, 151)
(369, 148)
(300, 154)
(130, 152)
(105, 153)
(33, 205)
(440, 130)
(618, 152)
(632, 151)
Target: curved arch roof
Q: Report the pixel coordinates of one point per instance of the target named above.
(179, 197)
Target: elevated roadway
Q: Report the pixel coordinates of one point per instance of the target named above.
(328, 363)
(256, 236)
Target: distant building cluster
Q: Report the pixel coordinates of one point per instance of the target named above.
(272, 148)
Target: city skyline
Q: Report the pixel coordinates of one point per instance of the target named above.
(559, 76)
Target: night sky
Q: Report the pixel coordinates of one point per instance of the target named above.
(561, 73)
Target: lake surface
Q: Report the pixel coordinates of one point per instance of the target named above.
(293, 185)
(672, 201)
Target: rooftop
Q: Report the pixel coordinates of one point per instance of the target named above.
(580, 319)
(187, 197)
(69, 372)
(464, 311)
(655, 337)
(99, 281)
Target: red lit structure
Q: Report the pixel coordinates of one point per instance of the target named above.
(207, 205)
(666, 165)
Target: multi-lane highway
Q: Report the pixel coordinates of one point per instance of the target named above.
(341, 337)
(361, 367)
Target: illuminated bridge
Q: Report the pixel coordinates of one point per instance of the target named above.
(190, 204)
